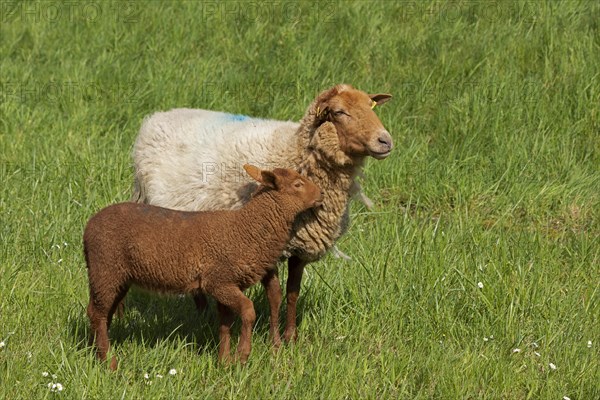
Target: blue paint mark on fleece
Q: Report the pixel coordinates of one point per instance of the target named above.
(236, 117)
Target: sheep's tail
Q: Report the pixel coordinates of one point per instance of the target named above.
(139, 194)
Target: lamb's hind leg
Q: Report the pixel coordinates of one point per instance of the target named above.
(100, 312)
(295, 268)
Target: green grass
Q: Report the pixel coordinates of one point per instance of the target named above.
(495, 178)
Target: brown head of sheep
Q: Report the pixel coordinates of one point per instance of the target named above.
(360, 132)
(219, 253)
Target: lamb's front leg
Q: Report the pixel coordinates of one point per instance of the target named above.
(232, 299)
(273, 291)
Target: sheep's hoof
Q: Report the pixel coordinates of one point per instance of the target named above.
(337, 253)
(366, 201)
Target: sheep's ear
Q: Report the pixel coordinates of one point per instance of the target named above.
(380, 98)
(322, 103)
(254, 172)
(327, 142)
(322, 112)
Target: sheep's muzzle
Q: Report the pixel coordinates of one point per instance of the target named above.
(381, 147)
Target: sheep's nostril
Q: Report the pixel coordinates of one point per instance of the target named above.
(385, 141)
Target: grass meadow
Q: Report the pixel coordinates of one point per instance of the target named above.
(476, 275)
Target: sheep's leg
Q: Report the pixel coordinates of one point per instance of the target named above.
(200, 301)
(233, 299)
(99, 323)
(295, 270)
(120, 309)
(273, 290)
(225, 323)
(117, 306)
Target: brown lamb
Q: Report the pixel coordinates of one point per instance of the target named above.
(219, 253)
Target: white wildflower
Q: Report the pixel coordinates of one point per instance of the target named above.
(146, 376)
(2, 344)
(55, 387)
(59, 260)
(53, 376)
(566, 398)
(535, 345)
(340, 338)
(45, 374)
(552, 366)
(159, 376)
(480, 285)
(589, 344)
(172, 371)
(516, 350)
(485, 339)
(537, 354)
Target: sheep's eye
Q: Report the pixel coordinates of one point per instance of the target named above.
(298, 184)
(339, 112)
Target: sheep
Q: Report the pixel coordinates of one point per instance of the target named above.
(220, 253)
(183, 159)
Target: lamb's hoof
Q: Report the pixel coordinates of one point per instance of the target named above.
(276, 343)
(290, 335)
(242, 359)
(226, 361)
(113, 363)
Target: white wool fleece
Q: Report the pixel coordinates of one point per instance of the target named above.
(191, 159)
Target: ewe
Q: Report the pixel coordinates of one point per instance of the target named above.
(184, 159)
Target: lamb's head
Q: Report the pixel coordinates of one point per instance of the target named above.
(297, 188)
(359, 130)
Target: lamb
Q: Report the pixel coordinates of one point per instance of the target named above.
(184, 159)
(220, 253)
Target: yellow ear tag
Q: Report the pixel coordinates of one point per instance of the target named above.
(373, 104)
(318, 111)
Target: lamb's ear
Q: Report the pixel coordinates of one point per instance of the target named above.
(380, 98)
(268, 179)
(326, 141)
(254, 172)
